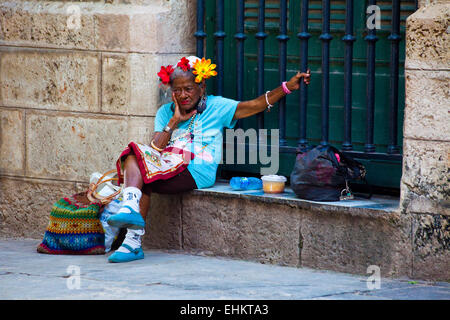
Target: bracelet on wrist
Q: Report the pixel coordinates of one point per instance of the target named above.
(155, 147)
(267, 101)
(285, 88)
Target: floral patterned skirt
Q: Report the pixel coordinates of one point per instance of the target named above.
(155, 165)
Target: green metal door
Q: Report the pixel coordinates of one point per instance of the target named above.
(383, 173)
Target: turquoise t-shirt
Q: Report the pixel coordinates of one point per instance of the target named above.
(207, 128)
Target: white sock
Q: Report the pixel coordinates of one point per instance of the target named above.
(131, 198)
(133, 239)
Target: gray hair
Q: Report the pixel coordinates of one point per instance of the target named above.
(178, 72)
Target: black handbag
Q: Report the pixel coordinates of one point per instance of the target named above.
(323, 173)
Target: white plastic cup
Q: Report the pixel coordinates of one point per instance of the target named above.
(273, 183)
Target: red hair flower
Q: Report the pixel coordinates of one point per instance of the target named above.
(164, 74)
(184, 64)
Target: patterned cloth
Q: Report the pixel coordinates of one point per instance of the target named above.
(74, 228)
(155, 165)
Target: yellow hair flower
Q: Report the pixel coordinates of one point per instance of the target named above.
(203, 69)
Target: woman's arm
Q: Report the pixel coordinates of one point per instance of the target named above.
(161, 138)
(248, 108)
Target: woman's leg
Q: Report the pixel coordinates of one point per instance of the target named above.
(144, 205)
(129, 215)
(134, 204)
(131, 173)
(180, 183)
(133, 178)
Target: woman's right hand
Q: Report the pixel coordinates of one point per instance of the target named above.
(294, 82)
(179, 115)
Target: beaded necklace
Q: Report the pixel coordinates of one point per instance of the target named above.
(188, 132)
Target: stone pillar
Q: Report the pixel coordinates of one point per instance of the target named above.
(78, 81)
(425, 187)
(423, 3)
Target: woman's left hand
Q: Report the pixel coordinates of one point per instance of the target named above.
(294, 83)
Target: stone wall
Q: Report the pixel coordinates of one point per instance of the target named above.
(425, 186)
(77, 83)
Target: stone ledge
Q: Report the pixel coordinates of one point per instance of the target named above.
(377, 205)
(345, 236)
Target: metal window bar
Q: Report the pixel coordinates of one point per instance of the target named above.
(220, 35)
(282, 38)
(371, 39)
(261, 36)
(200, 34)
(395, 38)
(348, 39)
(240, 37)
(325, 37)
(304, 36)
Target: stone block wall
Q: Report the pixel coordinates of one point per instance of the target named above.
(425, 184)
(77, 83)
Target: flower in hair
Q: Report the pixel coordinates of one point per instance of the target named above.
(164, 74)
(203, 69)
(184, 64)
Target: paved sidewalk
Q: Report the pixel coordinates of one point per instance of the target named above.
(26, 274)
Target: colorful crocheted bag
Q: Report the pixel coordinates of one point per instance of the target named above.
(74, 228)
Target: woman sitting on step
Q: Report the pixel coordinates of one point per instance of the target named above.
(185, 150)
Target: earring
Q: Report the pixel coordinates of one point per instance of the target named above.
(202, 104)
